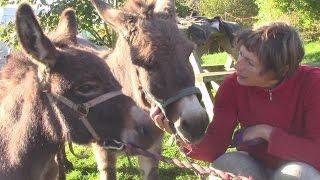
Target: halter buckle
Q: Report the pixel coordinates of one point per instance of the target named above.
(113, 145)
(82, 109)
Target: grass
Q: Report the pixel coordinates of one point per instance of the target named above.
(85, 169)
(312, 56)
(214, 59)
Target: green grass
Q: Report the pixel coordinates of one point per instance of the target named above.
(214, 59)
(312, 56)
(85, 169)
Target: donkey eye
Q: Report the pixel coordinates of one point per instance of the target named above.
(87, 89)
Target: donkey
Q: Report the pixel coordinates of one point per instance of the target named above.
(214, 35)
(150, 61)
(57, 90)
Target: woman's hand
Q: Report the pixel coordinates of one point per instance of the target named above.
(163, 123)
(159, 119)
(258, 131)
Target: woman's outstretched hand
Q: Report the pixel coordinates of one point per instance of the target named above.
(159, 119)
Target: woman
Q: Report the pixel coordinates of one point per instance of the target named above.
(275, 100)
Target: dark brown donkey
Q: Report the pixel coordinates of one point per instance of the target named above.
(57, 90)
(150, 61)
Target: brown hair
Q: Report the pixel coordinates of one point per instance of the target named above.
(277, 45)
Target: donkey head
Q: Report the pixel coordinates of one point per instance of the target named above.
(67, 69)
(157, 56)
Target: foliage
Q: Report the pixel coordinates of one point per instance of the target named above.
(7, 31)
(90, 24)
(241, 11)
(4, 2)
(303, 14)
(184, 8)
(8, 34)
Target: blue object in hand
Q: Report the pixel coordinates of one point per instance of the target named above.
(238, 139)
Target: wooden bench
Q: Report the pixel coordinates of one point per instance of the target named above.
(207, 79)
(217, 76)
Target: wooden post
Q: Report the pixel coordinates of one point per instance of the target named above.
(205, 88)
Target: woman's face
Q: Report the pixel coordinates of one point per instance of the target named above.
(249, 70)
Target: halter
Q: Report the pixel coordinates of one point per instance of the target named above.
(82, 108)
(163, 104)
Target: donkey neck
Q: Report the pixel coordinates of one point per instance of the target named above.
(28, 160)
(123, 69)
(29, 136)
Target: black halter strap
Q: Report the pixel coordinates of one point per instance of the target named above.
(163, 104)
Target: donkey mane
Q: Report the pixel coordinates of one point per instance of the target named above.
(141, 7)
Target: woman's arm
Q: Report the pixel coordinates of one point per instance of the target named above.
(219, 133)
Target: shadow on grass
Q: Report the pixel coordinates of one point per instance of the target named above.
(86, 170)
(312, 59)
(170, 173)
(167, 173)
(129, 170)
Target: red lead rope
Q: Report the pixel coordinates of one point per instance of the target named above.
(199, 170)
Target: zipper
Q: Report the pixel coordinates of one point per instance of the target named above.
(270, 95)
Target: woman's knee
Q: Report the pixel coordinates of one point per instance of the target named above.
(295, 171)
(240, 163)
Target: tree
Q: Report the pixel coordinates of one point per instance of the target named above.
(89, 22)
(185, 7)
(303, 14)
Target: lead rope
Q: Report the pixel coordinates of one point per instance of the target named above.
(176, 140)
(199, 170)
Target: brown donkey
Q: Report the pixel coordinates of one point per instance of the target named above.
(58, 90)
(150, 61)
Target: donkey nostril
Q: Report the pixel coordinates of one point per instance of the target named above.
(142, 131)
(185, 125)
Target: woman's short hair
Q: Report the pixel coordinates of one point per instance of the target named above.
(277, 45)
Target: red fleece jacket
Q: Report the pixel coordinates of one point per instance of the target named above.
(293, 108)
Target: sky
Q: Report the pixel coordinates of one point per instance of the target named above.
(7, 13)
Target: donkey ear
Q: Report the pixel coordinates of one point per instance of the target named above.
(31, 36)
(68, 26)
(165, 8)
(108, 14)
